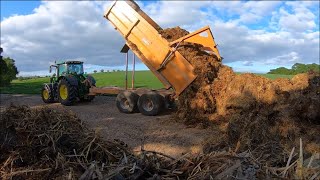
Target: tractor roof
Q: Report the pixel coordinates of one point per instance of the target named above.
(70, 62)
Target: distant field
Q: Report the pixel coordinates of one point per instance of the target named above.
(30, 86)
(143, 79)
(274, 76)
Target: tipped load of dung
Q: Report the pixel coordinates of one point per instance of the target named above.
(250, 111)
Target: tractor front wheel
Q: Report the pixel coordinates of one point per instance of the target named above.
(47, 94)
(67, 94)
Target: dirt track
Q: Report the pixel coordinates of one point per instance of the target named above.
(158, 133)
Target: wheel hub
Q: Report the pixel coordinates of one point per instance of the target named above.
(148, 105)
(63, 92)
(124, 103)
(45, 94)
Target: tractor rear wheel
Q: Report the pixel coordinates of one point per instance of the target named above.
(127, 102)
(67, 94)
(151, 104)
(47, 94)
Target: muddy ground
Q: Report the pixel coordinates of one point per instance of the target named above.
(160, 133)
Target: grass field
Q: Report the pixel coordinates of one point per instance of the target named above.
(273, 76)
(142, 79)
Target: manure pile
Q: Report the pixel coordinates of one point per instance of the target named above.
(267, 117)
(50, 144)
(47, 144)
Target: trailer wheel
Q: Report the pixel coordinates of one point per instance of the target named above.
(151, 104)
(127, 102)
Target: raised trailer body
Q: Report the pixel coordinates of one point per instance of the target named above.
(160, 56)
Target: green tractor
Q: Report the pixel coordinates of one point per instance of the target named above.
(68, 84)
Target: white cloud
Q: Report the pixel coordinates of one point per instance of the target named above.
(176, 13)
(248, 12)
(292, 58)
(247, 63)
(300, 19)
(59, 30)
(239, 43)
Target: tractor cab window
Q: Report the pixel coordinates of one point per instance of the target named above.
(75, 68)
(62, 70)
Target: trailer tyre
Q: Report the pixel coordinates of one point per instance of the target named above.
(127, 102)
(151, 104)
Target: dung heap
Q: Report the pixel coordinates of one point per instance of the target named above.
(251, 111)
(49, 144)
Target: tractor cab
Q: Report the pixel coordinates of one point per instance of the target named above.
(65, 68)
(68, 67)
(75, 68)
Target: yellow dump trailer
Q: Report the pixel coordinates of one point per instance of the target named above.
(160, 56)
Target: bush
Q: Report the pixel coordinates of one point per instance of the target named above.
(8, 71)
(297, 68)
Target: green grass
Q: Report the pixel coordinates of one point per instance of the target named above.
(142, 79)
(29, 86)
(273, 76)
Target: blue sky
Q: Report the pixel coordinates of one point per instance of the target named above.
(252, 36)
(9, 8)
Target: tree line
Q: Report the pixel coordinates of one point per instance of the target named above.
(108, 71)
(296, 69)
(8, 70)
